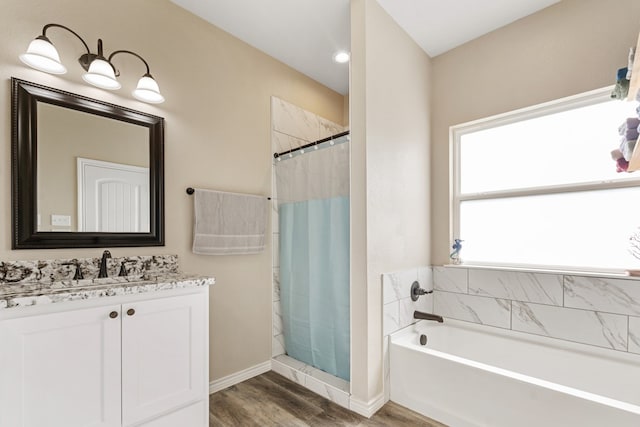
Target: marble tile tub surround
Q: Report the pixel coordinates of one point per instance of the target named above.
(600, 311)
(398, 308)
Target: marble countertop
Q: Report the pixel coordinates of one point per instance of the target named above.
(48, 292)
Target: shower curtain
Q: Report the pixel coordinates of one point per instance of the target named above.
(313, 206)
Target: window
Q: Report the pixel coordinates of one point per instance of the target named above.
(538, 187)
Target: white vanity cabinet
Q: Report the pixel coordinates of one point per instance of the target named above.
(140, 360)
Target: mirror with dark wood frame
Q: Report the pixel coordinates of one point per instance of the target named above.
(84, 173)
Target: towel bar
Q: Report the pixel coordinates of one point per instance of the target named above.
(191, 190)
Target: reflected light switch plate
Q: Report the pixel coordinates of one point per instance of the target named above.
(61, 220)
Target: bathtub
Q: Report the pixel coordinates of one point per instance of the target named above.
(470, 376)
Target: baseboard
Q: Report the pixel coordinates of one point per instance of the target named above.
(238, 377)
(366, 409)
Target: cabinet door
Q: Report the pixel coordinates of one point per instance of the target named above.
(61, 369)
(163, 356)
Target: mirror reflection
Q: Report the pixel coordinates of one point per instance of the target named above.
(93, 173)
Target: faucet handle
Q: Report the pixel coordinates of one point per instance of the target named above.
(417, 291)
(123, 269)
(78, 275)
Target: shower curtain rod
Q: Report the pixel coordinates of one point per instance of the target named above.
(311, 144)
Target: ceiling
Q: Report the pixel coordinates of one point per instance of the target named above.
(305, 34)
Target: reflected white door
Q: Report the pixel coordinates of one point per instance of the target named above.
(112, 197)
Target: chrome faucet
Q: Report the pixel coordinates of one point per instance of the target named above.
(427, 316)
(103, 265)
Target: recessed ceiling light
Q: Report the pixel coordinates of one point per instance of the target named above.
(341, 57)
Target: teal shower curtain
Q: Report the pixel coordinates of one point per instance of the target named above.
(313, 206)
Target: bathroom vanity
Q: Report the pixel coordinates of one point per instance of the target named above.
(116, 351)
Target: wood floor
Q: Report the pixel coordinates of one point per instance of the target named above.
(272, 400)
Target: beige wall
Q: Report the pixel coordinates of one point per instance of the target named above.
(217, 135)
(569, 48)
(389, 98)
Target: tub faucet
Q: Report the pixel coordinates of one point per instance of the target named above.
(103, 265)
(427, 316)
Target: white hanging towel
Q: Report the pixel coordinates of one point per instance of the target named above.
(228, 223)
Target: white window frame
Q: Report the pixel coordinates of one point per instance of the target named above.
(556, 106)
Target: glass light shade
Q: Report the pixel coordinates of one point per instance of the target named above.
(101, 74)
(148, 91)
(43, 56)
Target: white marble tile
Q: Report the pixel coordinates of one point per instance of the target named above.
(328, 128)
(391, 318)
(276, 284)
(277, 346)
(275, 250)
(634, 335)
(291, 362)
(408, 306)
(602, 294)
(471, 308)
(397, 285)
(451, 279)
(281, 142)
(277, 319)
(386, 370)
(293, 120)
(328, 379)
(275, 219)
(425, 277)
(519, 286)
(288, 368)
(424, 303)
(584, 326)
(328, 392)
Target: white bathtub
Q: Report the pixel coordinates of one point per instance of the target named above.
(471, 376)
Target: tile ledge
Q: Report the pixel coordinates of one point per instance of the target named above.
(565, 272)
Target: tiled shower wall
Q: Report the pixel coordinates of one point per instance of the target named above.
(599, 311)
(291, 127)
(594, 310)
(398, 307)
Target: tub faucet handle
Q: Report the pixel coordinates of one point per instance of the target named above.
(417, 291)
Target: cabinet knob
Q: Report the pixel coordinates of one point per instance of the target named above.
(131, 312)
(113, 314)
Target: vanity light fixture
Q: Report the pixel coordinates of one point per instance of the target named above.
(100, 72)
